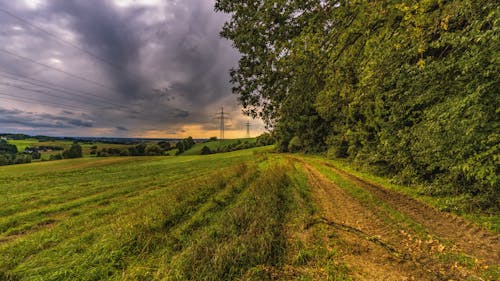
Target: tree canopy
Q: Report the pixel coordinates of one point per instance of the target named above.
(409, 88)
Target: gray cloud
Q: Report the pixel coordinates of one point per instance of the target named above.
(44, 120)
(158, 67)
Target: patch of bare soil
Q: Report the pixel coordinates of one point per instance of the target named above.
(371, 244)
(467, 237)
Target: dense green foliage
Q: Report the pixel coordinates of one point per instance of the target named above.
(205, 150)
(142, 149)
(184, 144)
(217, 146)
(264, 139)
(7, 148)
(9, 155)
(75, 151)
(408, 88)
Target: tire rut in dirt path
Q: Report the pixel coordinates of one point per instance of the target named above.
(371, 247)
(468, 237)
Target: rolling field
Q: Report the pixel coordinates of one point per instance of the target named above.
(86, 148)
(244, 215)
(23, 144)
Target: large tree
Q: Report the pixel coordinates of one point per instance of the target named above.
(409, 88)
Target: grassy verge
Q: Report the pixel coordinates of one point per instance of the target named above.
(453, 204)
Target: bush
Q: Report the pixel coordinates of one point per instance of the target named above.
(295, 144)
(36, 154)
(7, 148)
(75, 151)
(184, 145)
(164, 145)
(56, 157)
(153, 150)
(265, 139)
(206, 150)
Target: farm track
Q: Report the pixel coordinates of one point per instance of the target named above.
(465, 235)
(355, 228)
(376, 246)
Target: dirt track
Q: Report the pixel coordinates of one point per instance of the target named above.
(378, 246)
(468, 237)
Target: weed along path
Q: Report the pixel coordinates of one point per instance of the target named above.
(384, 235)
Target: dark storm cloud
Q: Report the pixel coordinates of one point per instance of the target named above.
(109, 37)
(158, 66)
(30, 119)
(178, 113)
(189, 54)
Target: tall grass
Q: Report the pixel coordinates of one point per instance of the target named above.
(248, 234)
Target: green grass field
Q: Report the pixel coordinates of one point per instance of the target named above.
(22, 144)
(86, 148)
(244, 215)
(220, 217)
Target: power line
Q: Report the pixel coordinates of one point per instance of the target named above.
(56, 38)
(57, 69)
(42, 92)
(58, 88)
(37, 101)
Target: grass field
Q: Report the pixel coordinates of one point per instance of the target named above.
(244, 215)
(86, 148)
(22, 144)
(214, 145)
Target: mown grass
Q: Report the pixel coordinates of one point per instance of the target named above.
(54, 212)
(230, 216)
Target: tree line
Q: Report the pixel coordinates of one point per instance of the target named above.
(10, 155)
(406, 88)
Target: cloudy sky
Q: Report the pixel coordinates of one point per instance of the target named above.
(130, 68)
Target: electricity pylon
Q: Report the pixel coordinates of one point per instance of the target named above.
(222, 116)
(247, 124)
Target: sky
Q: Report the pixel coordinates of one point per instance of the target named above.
(117, 68)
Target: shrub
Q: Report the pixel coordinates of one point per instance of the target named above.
(7, 148)
(295, 144)
(75, 151)
(153, 150)
(265, 139)
(205, 150)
